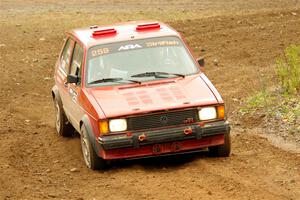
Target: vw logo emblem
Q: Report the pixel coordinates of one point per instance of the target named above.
(163, 119)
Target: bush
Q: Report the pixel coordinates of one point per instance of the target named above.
(259, 100)
(280, 106)
(288, 70)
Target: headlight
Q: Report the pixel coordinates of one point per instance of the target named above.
(117, 125)
(207, 113)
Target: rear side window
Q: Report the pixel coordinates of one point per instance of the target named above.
(76, 60)
(65, 56)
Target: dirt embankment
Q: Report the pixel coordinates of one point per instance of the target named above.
(241, 43)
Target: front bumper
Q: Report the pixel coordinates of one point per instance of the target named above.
(196, 132)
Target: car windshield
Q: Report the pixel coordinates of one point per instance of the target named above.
(141, 60)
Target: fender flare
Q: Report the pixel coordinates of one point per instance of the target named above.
(87, 124)
(55, 94)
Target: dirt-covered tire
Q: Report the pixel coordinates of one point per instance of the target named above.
(91, 159)
(221, 150)
(62, 125)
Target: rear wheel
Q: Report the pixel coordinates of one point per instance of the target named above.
(221, 150)
(62, 125)
(91, 159)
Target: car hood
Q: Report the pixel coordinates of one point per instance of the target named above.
(164, 94)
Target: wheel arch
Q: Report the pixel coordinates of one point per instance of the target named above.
(85, 121)
(55, 93)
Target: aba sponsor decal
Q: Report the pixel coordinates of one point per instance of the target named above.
(129, 47)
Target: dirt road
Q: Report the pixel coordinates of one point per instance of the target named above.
(243, 38)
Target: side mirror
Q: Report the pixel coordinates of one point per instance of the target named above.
(72, 78)
(201, 61)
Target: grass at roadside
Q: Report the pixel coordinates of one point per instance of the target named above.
(288, 70)
(281, 105)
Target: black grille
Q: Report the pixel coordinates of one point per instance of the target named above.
(162, 119)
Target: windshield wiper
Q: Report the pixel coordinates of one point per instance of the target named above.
(105, 80)
(156, 74)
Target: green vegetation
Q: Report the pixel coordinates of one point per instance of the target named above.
(261, 99)
(282, 104)
(288, 70)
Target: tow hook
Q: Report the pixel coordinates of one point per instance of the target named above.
(142, 137)
(188, 131)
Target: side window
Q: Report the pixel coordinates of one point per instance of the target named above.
(65, 56)
(76, 60)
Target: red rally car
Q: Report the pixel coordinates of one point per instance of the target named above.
(135, 90)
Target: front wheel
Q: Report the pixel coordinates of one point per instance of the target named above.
(91, 159)
(222, 150)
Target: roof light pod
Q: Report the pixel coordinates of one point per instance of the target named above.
(148, 26)
(104, 32)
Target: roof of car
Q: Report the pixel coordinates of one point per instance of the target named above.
(125, 31)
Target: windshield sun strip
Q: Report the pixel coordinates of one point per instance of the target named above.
(174, 37)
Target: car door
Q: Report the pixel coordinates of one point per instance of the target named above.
(75, 89)
(63, 69)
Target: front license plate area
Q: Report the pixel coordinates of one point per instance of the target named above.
(166, 148)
